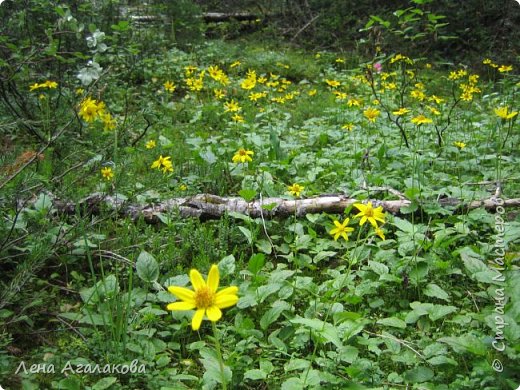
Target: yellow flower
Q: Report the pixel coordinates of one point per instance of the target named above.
(312, 92)
(90, 109)
(504, 113)
(420, 120)
(295, 189)
(401, 111)
(150, 144)
(370, 214)
(169, 86)
(348, 126)
(380, 233)
(190, 69)
(235, 64)
(254, 96)
(333, 83)
(163, 163)
(433, 110)
(460, 145)
(371, 114)
(107, 173)
(340, 95)
(436, 99)
(50, 84)
(354, 102)
(418, 94)
(505, 68)
(248, 83)
(231, 106)
(341, 229)
(108, 122)
(80, 91)
(243, 156)
(237, 118)
(183, 187)
(487, 61)
(340, 60)
(219, 94)
(35, 86)
(204, 297)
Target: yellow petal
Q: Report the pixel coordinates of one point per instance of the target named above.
(224, 301)
(180, 306)
(196, 280)
(214, 314)
(182, 293)
(232, 290)
(197, 319)
(213, 278)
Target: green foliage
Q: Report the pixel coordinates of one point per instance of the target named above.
(414, 304)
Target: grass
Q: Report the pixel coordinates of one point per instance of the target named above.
(414, 310)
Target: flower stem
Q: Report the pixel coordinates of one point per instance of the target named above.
(219, 355)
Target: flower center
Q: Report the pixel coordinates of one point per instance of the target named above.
(242, 152)
(204, 298)
(369, 212)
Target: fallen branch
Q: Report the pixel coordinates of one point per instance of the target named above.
(207, 206)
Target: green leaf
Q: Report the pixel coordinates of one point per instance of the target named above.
(255, 374)
(273, 313)
(439, 360)
(378, 268)
(211, 365)
(104, 383)
(440, 311)
(466, 343)
(327, 331)
(293, 384)
(248, 194)
(227, 265)
(147, 267)
(392, 321)
(432, 290)
(70, 383)
(419, 374)
(256, 262)
(247, 233)
(264, 246)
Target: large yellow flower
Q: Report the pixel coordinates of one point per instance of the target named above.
(370, 214)
(341, 229)
(204, 298)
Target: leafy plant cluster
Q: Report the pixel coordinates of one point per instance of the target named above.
(361, 299)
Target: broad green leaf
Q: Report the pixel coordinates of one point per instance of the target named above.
(227, 266)
(104, 383)
(439, 311)
(256, 262)
(324, 329)
(466, 343)
(255, 374)
(434, 291)
(247, 233)
(378, 268)
(273, 313)
(392, 321)
(264, 246)
(247, 194)
(419, 374)
(147, 267)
